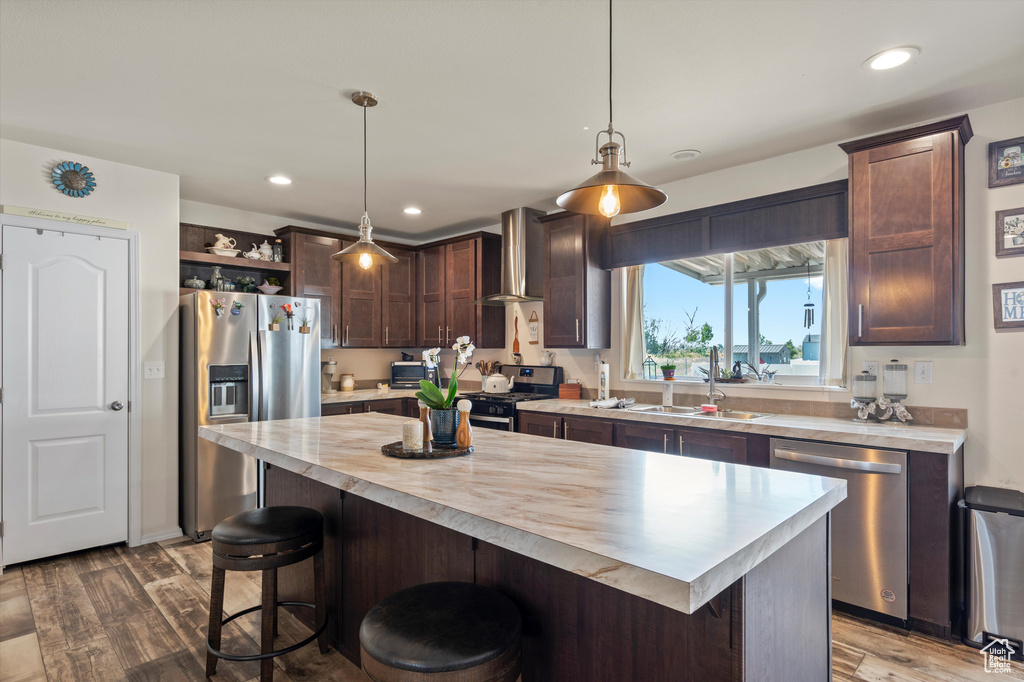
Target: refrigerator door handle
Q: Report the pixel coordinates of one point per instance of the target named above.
(254, 377)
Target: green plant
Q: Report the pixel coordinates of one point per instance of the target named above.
(305, 322)
(273, 281)
(433, 398)
(668, 367)
(277, 319)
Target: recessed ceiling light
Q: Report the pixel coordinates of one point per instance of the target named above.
(412, 210)
(586, 127)
(280, 180)
(685, 155)
(890, 59)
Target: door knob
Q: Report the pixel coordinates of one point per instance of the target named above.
(117, 406)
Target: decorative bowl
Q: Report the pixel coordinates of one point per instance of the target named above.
(222, 252)
(269, 289)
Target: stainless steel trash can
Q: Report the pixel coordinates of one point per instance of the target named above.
(995, 566)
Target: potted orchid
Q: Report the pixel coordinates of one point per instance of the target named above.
(444, 419)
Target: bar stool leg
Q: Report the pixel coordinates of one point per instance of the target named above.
(320, 598)
(275, 602)
(267, 624)
(216, 614)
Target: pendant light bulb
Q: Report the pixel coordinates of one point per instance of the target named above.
(609, 205)
(365, 261)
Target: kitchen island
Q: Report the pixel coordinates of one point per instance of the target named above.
(625, 564)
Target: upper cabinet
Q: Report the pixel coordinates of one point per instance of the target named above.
(450, 276)
(360, 304)
(577, 290)
(907, 236)
(398, 300)
(315, 275)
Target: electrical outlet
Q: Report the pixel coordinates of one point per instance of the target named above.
(153, 369)
(923, 372)
(872, 366)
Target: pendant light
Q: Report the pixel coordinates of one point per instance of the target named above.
(364, 252)
(612, 191)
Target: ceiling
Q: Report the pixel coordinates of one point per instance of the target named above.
(482, 103)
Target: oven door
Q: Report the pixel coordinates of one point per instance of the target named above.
(483, 421)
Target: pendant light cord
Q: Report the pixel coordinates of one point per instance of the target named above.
(609, 63)
(364, 157)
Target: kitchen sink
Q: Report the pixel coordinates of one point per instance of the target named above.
(728, 414)
(665, 410)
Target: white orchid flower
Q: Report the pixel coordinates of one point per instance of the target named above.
(430, 357)
(463, 350)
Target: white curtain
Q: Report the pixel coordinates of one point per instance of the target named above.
(834, 315)
(633, 329)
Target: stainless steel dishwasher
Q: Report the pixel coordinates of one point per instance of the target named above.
(869, 528)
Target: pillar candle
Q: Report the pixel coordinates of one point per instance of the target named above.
(412, 435)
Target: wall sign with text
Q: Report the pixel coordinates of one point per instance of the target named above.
(1008, 305)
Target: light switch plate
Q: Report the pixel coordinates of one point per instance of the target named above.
(923, 372)
(153, 369)
(872, 366)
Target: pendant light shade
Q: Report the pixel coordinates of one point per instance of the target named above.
(364, 252)
(611, 191)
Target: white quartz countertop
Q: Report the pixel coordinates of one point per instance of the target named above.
(674, 530)
(365, 394)
(904, 437)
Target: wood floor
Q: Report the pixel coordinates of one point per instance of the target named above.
(141, 614)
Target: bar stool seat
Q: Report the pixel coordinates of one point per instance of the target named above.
(443, 632)
(265, 540)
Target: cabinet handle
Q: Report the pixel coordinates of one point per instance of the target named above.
(554, 428)
(439, 335)
(447, 335)
(577, 330)
(346, 334)
(860, 320)
(385, 336)
(565, 432)
(680, 445)
(665, 447)
(366, 407)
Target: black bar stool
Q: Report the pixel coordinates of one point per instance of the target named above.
(265, 540)
(442, 632)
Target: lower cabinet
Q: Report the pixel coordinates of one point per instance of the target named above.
(540, 424)
(652, 438)
(597, 431)
(713, 445)
(388, 406)
(331, 409)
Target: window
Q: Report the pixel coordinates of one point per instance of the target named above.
(772, 320)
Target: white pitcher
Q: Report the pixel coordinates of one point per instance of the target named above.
(224, 242)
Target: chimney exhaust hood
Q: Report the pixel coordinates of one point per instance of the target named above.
(522, 254)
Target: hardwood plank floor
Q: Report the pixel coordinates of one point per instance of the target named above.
(141, 614)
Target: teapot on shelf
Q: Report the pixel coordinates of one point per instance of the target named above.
(266, 251)
(224, 242)
(254, 254)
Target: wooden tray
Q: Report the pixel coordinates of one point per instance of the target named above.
(429, 451)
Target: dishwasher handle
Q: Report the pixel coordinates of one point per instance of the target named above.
(838, 463)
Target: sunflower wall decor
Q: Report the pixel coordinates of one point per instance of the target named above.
(73, 179)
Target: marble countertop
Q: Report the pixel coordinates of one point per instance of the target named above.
(908, 437)
(365, 394)
(674, 530)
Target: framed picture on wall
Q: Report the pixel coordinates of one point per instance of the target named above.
(1006, 162)
(1010, 232)
(1008, 305)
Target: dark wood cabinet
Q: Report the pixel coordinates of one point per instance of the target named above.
(583, 430)
(713, 445)
(398, 300)
(389, 406)
(649, 437)
(907, 236)
(577, 291)
(315, 275)
(331, 409)
(360, 305)
(540, 424)
(451, 275)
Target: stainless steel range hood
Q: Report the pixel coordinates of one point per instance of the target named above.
(522, 254)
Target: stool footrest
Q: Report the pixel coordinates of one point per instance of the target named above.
(269, 654)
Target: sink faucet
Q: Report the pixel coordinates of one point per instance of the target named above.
(714, 394)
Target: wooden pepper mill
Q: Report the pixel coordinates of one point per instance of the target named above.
(425, 418)
(464, 434)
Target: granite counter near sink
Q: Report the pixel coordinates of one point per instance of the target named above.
(910, 437)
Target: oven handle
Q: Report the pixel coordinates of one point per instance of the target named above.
(837, 463)
(499, 420)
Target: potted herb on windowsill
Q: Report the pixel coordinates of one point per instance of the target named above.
(444, 418)
(669, 372)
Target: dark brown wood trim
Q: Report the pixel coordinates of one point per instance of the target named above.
(960, 124)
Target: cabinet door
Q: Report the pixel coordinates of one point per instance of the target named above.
(540, 424)
(315, 275)
(714, 445)
(645, 437)
(564, 283)
(596, 431)
(461, 313)
(412, 408)
(331, 409)
(398, 301)
(392, 406)
(360, 305)
(903, 274)
(430, 274)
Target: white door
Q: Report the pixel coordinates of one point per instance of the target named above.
(65, 392)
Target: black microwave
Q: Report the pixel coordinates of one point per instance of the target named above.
(409, 374)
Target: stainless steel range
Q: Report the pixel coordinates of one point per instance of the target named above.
(498, 410)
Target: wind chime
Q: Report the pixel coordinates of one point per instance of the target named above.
(809, 306)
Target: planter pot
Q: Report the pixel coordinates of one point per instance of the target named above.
(303, 329)
(274, 327)
(669, 374)
(443, 425)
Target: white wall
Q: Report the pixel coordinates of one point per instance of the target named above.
(148, 201)
(985, 376)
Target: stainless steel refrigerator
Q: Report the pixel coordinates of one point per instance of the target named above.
(235, 369)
